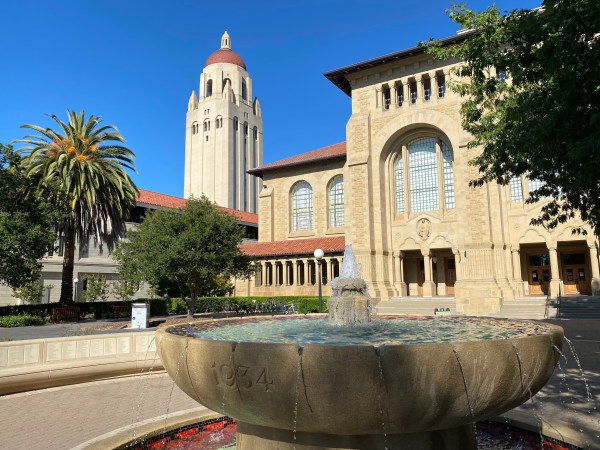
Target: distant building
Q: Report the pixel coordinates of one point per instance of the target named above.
(398, 191)
(90, 260)
(224, 133)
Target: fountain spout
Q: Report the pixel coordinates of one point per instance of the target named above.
(350, 303)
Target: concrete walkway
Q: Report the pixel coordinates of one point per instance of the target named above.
(66, 417)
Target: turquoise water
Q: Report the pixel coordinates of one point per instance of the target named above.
(379, 332)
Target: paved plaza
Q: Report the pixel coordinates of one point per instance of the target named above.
(74, 416)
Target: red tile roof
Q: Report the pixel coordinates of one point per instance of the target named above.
(295, 246)
(330, 152)
(161, 200)
(169, 201)
(225, 55)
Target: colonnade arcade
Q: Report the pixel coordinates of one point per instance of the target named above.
(296, 271)
(565, 268)
(425, 273)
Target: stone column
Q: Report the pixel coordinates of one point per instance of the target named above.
(263, 273)
(595, 269)
(306, 273)
(428, 286)
(516, 263)
(330, 269)
(517, 273)
(419, 81)
(380, 99)
(554, 287)
(287, 272)
(277, 274)
(399, 283)
(295, 268)
(393, 97)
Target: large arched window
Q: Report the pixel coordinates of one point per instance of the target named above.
(208, 88)
(302, 206)
(417, 170)
(335, 195)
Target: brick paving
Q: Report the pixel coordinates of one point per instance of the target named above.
(65, 417)
(61, 418)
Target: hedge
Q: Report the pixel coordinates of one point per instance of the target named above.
(169, 306)
(22, 320)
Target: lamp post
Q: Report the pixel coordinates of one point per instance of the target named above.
(319, 256)
(75, 281)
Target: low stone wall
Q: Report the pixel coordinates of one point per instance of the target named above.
(42, 363)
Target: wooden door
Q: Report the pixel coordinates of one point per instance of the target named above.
(450, 275)
(576, 280)
(538, 273)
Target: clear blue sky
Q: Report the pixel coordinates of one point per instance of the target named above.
(135, 63)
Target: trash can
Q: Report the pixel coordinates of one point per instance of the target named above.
(139, 315)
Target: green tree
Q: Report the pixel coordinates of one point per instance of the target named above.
(96, 288)
(87, 163)
(124, 289)
(25, 224)
(543, 122)
(185, 252)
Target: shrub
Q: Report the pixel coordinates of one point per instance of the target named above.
(22, 320)
(97, 289)
(31, 292)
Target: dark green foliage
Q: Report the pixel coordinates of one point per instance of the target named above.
(22, 320)
(187, 253)
(545, 121)
(25, 224)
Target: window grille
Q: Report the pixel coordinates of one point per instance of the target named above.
(448, 172)
(534, 184)
(427, 94)
(413, 97)
(502, 76)
(336, 202)
(400, 99)
(442, 91)
(423, 178)
(516, 190)
(302, 207)
(399, 169)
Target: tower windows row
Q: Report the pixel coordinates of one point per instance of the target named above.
(301, 204)
(424, 176)
(208, 91)
(426, 87)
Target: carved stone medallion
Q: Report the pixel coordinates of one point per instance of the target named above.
(424, 228)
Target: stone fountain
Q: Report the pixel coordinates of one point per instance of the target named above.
(337, 392)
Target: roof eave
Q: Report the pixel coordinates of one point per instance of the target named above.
(258, 171)
(338, 76)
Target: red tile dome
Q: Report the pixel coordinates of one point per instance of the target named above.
(225, 55)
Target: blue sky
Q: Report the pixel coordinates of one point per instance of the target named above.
(135, 63)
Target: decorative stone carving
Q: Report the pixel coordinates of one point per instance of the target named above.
(424, 228)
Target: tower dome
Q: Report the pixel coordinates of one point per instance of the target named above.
(225, 54)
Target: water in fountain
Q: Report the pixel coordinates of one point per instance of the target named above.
(392, 383)
(350, 303)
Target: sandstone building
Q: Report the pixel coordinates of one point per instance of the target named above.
(223, 133)
(397, 190)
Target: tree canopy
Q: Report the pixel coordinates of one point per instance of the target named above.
(87, 163)
(25, 224)
(184, 252)
(531, 82)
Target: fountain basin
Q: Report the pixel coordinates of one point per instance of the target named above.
(289, 390)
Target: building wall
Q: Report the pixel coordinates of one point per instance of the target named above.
(482, 232)
(480, 251)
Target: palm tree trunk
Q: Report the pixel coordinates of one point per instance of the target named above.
(66, 287)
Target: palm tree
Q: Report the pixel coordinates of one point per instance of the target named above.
(86, 163)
